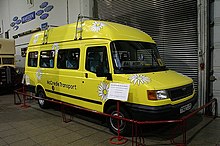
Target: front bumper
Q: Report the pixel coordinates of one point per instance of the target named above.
(144, 112)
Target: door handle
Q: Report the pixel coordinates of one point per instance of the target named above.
(86, 75)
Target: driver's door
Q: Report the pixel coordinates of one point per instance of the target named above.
(95, 88)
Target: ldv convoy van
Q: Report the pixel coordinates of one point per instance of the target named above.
(77, 62)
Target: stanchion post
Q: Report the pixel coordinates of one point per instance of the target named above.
(136, 134)
(24, 98)
(120, 139)
(132, 133)
(118, 92)
(64, 114)
(16, 95)
(14, 98)
(118, 110)
(216, 108)
(184, 132)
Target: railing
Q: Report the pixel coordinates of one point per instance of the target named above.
(137, 137)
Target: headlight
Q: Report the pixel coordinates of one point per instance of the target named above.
(161, 94)
(157, 94)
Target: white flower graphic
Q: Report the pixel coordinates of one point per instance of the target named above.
(55, 47)
(97, 26)
(39, 74)
(25, 79)
(139, 79)
(103, 90)
(36, 38)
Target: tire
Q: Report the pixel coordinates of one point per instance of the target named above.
(125, 127)
(42, 103)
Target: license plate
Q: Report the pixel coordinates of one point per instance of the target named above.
(185, 108)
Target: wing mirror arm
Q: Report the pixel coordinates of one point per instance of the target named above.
(100, 73)
(107, 75)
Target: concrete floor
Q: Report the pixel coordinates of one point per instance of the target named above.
(36, 127)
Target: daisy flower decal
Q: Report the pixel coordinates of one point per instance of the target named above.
(39, 74)
(139, 79)
(103, 90)
(55, 47)
(97, 26)
(36, 38)
(25, 80)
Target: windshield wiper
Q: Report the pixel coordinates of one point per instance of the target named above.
(152, 68)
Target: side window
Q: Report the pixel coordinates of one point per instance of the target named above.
(32, 59)
(68, 58)
(8, 60)
(96, 57)
(47, 59)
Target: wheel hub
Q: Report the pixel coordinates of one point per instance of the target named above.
(114, 122)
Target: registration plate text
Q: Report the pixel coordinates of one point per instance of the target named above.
(185, 108)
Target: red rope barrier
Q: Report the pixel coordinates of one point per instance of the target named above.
(135, 123)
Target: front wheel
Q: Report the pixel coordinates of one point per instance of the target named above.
(125, 127)
(42, 103)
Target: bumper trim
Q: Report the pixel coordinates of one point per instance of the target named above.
(145, 112)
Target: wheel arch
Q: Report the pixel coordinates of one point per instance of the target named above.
(111, 102)
(38, 87)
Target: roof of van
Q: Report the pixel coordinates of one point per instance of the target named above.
(90, 29)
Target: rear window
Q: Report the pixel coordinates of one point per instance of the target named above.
(32, 59)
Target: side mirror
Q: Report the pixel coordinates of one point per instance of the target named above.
(108, 75)
(100, 73)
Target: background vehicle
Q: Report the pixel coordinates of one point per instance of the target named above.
(9, 76)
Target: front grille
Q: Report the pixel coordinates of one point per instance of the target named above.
(180, 92)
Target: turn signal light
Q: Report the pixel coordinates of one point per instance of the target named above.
(157, 94)
(151, 95)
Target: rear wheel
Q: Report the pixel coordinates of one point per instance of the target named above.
(125, 127)
(42, 103)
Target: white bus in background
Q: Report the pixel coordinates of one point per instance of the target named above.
(9, 75)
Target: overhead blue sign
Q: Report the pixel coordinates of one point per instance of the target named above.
(43, 14)
(15, 28)
(48, 8)
(43, 5)
(39, 12)
(15, 18)
(18, 21)
(44, 26)
(12, 24)
(28, 17)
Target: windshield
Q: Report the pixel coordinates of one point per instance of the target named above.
(135, 57)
